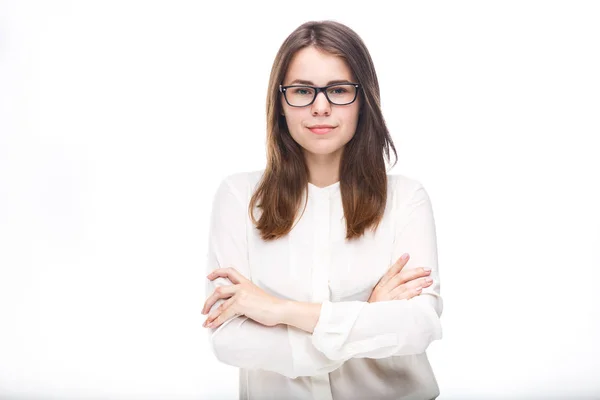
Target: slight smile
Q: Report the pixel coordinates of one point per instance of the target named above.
(321, 129)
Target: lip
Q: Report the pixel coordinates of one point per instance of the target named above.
(321, 129)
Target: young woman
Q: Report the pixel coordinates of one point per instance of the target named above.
(307, 293)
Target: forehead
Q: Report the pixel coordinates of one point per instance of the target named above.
(314, 65)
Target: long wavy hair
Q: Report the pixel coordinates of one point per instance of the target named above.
(363, 174)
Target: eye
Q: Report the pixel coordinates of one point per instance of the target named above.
(303, 91)
(338, 90)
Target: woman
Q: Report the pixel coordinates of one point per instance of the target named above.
(307, 292)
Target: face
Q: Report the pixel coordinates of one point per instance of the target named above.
(317, 68)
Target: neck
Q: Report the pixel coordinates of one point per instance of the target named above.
(323, 169)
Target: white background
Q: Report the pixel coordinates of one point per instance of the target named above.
(118, 119)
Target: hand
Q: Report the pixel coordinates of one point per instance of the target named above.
(397, 284)
(244, 298)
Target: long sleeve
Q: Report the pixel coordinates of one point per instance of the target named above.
(390, 328)
(241, 341)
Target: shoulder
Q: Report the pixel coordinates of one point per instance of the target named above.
(240, 184)
(242, 180)
(406, 191)
(403, 184)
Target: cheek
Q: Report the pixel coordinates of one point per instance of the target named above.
(294, 125)
(350, 118)
(295, 119)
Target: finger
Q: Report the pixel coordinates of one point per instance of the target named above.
(416, 283)
(229, 272)
(407, 293)
(407, 275)
(411, 288)
(394, 269)
(221, 292)
(228, 311)
(216, 312)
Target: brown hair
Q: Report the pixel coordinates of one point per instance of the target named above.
(363, 175)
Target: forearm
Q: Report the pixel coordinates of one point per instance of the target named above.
(373, 330)
(301, 315)
(287, 350)
(377, 330)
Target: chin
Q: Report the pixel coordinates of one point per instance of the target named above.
(321, 150)
(319, 145)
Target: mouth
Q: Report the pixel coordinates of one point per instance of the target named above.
(321, 129)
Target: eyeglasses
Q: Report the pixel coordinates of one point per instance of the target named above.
(339, 94)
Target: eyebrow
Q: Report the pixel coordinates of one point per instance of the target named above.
(303, 82)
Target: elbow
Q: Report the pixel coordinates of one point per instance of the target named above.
(428, 313)
(433, 333)
(220, 347)
(230, 350)
(244, 349)
(223, 344)
(417, 341)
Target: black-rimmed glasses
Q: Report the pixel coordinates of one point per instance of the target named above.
(339, 94)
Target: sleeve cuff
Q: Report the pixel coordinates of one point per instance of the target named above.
(307, 360)
(338, 337)
(334, 325)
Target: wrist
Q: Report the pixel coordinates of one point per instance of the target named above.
(301, 315)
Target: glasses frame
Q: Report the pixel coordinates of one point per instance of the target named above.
(317, 90)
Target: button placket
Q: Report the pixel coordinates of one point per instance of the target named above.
(320, 384)
(320, 272)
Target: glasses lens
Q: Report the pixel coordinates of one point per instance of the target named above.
(341, 94)
(300, 96)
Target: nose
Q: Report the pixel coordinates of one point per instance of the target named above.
(321, 105)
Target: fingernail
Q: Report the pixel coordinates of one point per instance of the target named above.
(427, 269)
(404, 257)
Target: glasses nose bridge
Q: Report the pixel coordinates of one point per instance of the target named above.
(324, 91)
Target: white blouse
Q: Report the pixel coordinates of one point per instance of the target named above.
(358, 350)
